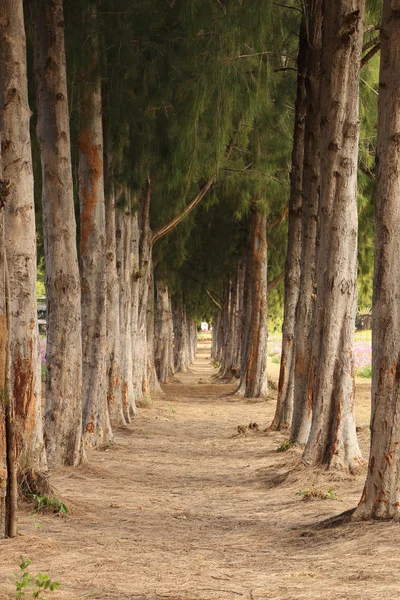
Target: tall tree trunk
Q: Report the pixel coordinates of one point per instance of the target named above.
(305, 311)
(20, 238)
(115, 398)
(63, 419)
(254, 379)
(8, 465)
(333, 439)
(381, 496)
(284, 407)
(125, 257)
(96, 420)
(163, 333)
(181, 350)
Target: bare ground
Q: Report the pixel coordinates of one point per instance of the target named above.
(183, 508)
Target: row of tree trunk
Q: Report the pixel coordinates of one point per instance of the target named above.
(101, 352)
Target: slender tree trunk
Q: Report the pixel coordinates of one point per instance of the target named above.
(8, 465)
(63, 420)
(181, 350)
(117, 405)
(333, 439)
(284, 407)
(254, 380)
(305, 311)
(96, 420)
(163, 332)
(381, 495)
(20, 239)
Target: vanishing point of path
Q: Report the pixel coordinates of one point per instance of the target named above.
(183, 508)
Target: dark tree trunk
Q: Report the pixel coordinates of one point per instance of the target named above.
(63, 420)
(305, 312)
(254, 378)
(333, 439)
(381, 496)
(284, 407)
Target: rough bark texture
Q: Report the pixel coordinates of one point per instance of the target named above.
(305, 311)
(284, 407)
(333, 440)
(63, 419)
(163, 334)
(115, 398)
(127, 249)
(181, 338)
(254, 380)
(20, 237)
(8, 481)
(96, 420)
(381, 495)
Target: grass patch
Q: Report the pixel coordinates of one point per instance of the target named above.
(317, 494)
(364, 372)
(44, 504)
(285, 446)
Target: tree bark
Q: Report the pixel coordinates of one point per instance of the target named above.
(254, 380)
(8, 464)
(305, 310)
(96, 420)
(284, 407)
(381, 495)
(63, 419)
(163, 335)
(181, 348)
(20, 238)
(333, 439)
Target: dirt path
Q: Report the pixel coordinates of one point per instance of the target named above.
(183, 508)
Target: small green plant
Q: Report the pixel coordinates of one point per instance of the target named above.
(317, 494)
(215, 364)
(364, 371)
(276, 359)
(31, 586)
(172, 408)
(44, 504)
(285, 446)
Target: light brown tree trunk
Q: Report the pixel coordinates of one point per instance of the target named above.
(333, 439)
(126, 247)
(305, 311)
(381, 495)
(254, 381)
(163, 334)
(284, 406)
(63, 419)
(115, 398)
(96, 420)
(20, 238)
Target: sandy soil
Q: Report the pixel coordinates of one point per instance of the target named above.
(183, 508)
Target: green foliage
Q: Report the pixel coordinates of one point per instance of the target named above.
(44, 504)
(314, 493)
(285, 445)
(364, 372)
(30, 586)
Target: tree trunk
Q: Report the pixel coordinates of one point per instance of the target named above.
(163, 332)
(117, 405)
(8, 464)
(381, 496)
(63, 419)
(254, 380)
(284, 407)
(96, 420)
(20, 238)
(305, 311)
(333, 440)
(126, 225)
(181, 350)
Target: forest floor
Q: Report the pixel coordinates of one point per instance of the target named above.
(184, 508)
